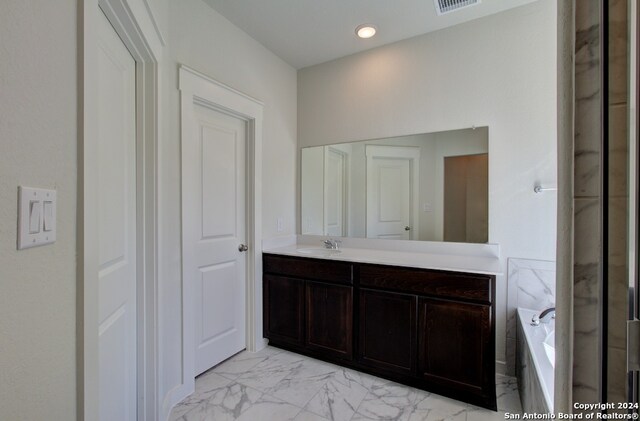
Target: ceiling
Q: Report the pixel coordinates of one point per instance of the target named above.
(308, 32)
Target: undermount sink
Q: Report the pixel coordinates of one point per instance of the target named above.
(319, 251)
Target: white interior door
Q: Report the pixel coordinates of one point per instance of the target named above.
(117, 227)
(390, 192)
(335, 178)
(215, 224)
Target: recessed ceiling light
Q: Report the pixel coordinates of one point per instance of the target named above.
(366, 31)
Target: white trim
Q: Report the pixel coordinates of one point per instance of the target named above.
(187, 81)
(408, 152)
(130, 22)
(196, 88)
(412, 153)
(154, 22)
(345, 189)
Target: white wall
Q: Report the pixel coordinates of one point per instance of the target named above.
(202, 39)
(498, 71)
(38, 136)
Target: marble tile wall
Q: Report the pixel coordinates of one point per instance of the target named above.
(587, 203)
(617, 200)
(532, 285)
(590, 201)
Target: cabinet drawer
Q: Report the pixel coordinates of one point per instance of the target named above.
(314, 269)
(435, 283)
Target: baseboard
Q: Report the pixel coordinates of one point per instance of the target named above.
(262, 344)
(172, 398)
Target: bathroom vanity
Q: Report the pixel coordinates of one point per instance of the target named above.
(431, 329)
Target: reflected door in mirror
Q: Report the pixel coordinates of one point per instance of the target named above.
(466, 206)
(394, 188)
(335, 190)
(391, 191)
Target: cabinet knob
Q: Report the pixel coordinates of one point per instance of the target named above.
(243, 247)
(407, 228)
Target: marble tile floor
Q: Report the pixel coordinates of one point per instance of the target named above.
(277, 385)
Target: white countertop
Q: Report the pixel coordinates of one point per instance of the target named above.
(452, 262)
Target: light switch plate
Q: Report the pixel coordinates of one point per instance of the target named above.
(31, 217)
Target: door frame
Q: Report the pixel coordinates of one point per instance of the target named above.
(411, 153)
(136, 26)
(197, 88)
(345, 189)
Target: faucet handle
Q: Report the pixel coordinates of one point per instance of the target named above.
(535, 320)
(544, 316)
(331, 243)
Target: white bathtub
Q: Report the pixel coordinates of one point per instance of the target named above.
(535, 364)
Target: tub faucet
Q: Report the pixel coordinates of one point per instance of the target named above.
(544, 317)
(331, 244)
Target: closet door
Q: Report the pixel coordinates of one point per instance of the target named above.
(116, 226)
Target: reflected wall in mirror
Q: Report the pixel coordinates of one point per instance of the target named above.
(429, 187)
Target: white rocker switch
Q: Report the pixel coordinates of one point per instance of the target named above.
(36, 217)
(48, 217)
(35, 207)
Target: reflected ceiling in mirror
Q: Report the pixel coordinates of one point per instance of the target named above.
(428, 187)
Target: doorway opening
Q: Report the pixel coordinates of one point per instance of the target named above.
(224, 120)
(142, 44)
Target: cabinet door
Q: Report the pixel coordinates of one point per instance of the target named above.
(283, 309)
(455, 345)
(388, 331)
(330, 319)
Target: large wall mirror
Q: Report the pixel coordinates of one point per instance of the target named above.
(428, 187)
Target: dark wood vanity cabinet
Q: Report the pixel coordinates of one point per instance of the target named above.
(387, 331)
(316, 313)
(425, 328)
(283, 316)
(329, 317)
(453, 340)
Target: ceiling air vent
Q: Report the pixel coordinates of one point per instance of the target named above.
(446, 6)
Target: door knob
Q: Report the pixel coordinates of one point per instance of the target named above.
(407, 228)
(242, 247)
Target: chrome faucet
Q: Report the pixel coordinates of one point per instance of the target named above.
(331, 244)
(544, 317)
